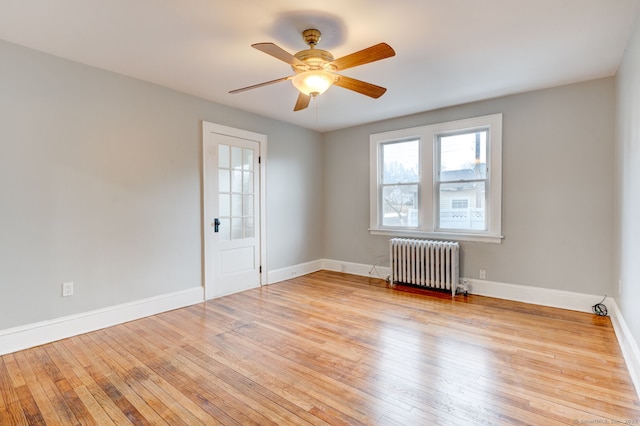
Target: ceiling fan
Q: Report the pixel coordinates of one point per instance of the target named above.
(316, 70)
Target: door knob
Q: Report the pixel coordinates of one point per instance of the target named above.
(216, 225)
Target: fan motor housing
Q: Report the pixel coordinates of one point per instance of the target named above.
(314, 59)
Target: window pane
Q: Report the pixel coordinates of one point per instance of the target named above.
(249, 228)
(463, 156)
(236, 181)
(247, 182)
(452, 213)
(247, 206)
(236, 228)
(224, 206)
(225, 229)
(236, 157)
(400, 205)
(223, 156)
(247, 158)
(224, 184)
(400, 162)
(236, 205)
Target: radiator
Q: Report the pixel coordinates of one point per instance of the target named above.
(425, 263)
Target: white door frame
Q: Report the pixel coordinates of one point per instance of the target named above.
(208, 127)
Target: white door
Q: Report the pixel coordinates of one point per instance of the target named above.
(232, 201)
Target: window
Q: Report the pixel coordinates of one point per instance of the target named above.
(439, 181)
(460, 204)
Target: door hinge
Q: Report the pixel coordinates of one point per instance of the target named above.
(259, 160)
(260, 268)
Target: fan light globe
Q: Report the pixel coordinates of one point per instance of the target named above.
(313, 83)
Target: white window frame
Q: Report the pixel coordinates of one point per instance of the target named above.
(428, 209)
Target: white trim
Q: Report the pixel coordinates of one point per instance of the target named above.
(535, 295)
(30, 335)
(450, 236)
(289, 272)
(374, 271)
(628, 345)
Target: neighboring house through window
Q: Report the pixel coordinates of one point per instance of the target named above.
(439, 181)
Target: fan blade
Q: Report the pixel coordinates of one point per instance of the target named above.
(266, 83)
(278, 53)
(360, 86)
(370, 54)
(302, 102)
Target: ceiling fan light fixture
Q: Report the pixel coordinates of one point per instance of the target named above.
(316, 70)
(313, 83)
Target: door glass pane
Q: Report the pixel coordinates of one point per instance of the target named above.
(236, 157)
(224, 181)
(247, 182)
(247, 208)
(224, 206)
(249, 229)
(463, 156)
(400, 205)
(462, 206)
(236, 205)
(236, 228)
(400, 162)
(225, 229)
(248, 159)
(236, 181)
(223, 156)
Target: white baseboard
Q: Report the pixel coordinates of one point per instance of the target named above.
(536, 295)
(627, 344)
(27, 336)
(373, 271)
(277, 275)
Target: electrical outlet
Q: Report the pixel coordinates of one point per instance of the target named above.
(483, 274)
(67, 289)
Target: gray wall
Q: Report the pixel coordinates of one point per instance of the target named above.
(557, 189)
(627, 159)
(100, 184)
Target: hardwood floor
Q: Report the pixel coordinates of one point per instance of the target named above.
(329, 348)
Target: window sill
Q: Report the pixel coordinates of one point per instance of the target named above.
(478, 238)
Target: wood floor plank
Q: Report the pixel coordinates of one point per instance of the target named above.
(36, 388)
(101, 407)
(9, 399)
(330, 348)
(107, 372)
(32, 414)
(164, 364)
(171, 404)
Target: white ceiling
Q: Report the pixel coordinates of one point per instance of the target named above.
(448, 52)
